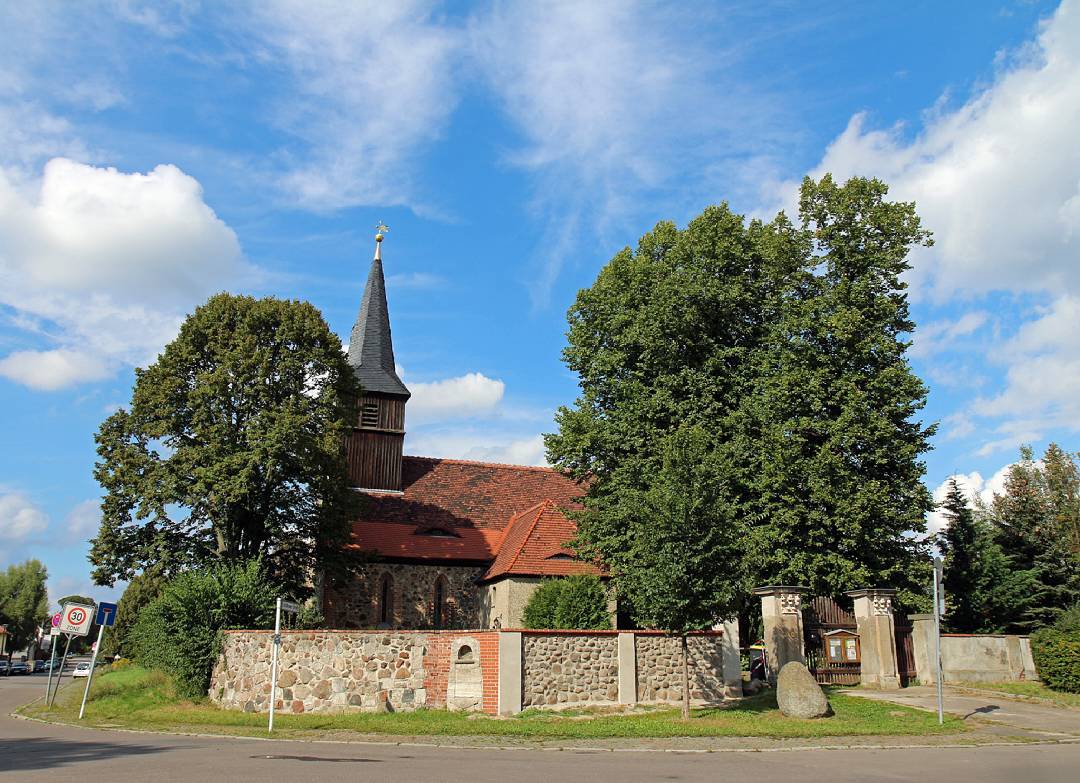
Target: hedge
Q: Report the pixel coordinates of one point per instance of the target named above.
(569, 603)
(1057, 658)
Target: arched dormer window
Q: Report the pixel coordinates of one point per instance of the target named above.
(386, 600)
(439, 602)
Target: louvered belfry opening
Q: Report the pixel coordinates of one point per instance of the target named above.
(375, 444)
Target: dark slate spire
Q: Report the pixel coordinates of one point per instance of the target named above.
(371, 351)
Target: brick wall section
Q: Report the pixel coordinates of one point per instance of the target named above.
(436, 669)
(489, 668)
(568, 668)
(659, 667)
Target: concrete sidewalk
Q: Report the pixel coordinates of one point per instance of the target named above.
(1043, 718)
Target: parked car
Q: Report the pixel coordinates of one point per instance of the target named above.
(82, 670)
(20, 667)
(41, 665)
(4, 666)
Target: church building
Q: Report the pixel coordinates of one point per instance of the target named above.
(452, 543)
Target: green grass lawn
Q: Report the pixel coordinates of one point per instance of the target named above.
(133, 697)
(1027, 688)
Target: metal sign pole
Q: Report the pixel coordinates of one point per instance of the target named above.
(275, 643)
(52, 665)
(93, 665)
(937, 642)
(60, 674)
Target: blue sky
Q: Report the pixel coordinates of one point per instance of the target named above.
(152, 154)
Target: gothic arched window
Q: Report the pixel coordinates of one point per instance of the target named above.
(439, 603)
(386, 599)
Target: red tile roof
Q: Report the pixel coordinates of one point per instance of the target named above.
(473, 502)
(535, 544)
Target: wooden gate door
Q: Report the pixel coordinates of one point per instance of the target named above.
(832, 642)
(905, 656)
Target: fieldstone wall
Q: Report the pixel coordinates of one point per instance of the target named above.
(659, 667)
(566, 668)
(335, 671)
(356, 605)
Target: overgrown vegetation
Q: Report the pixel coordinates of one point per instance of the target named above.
(1056, 651)
(137, 698)
(23, 602)
(179, 631)
(570, 603)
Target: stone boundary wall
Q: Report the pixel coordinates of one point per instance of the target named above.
(483, 670)
(971, 657)
(340, 671)
(565, 668)
(659, 667)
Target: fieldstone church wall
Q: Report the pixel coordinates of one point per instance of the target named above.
(356, 605)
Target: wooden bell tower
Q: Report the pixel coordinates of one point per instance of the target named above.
(375, 444)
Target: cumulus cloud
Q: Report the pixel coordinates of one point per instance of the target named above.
(104, 263)
(973, 486)
(368, 85)
(20, 518)
(942, 335)
(997, 178)
(472, 394)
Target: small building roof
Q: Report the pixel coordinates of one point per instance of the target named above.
(536, 544)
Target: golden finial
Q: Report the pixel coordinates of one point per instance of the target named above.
(380, 229)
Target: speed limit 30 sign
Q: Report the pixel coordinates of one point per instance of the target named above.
(76, 618)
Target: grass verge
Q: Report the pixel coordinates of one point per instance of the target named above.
(1026, 688)
(133, 697)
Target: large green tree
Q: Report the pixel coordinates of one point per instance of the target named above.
(982, 593)
(1035, 520)
(785, 344)
(24, 603)
(231, 448)
(838, 464)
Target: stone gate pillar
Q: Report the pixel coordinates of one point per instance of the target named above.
(781, 614)
(877, 637)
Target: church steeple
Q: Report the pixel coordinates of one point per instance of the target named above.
(371, 350)
(375, 445)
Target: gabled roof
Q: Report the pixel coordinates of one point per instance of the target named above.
(452, 493)
(371, 349)
(475, 512)
(535, 544)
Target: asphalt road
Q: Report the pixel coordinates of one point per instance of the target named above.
(31, 751)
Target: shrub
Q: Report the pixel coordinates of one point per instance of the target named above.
(1056, 652)
(179, 631)
(569, 603)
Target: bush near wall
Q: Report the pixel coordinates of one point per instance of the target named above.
(1057, 658)
(179, 631)
(568, 603)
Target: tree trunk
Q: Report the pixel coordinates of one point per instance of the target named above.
(685, 679)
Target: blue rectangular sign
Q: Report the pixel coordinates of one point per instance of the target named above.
(106, 614)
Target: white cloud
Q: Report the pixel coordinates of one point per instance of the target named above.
(84, 520)
(370, 84)
(939, 336)
(997, 179)
(104, 263)
(617, 103)
(973, 486)
(20, 518)
(478, 444)
(468, 395)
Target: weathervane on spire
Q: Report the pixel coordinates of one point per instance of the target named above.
(380, 229)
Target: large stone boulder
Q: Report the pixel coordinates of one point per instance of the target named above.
(798, 694)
